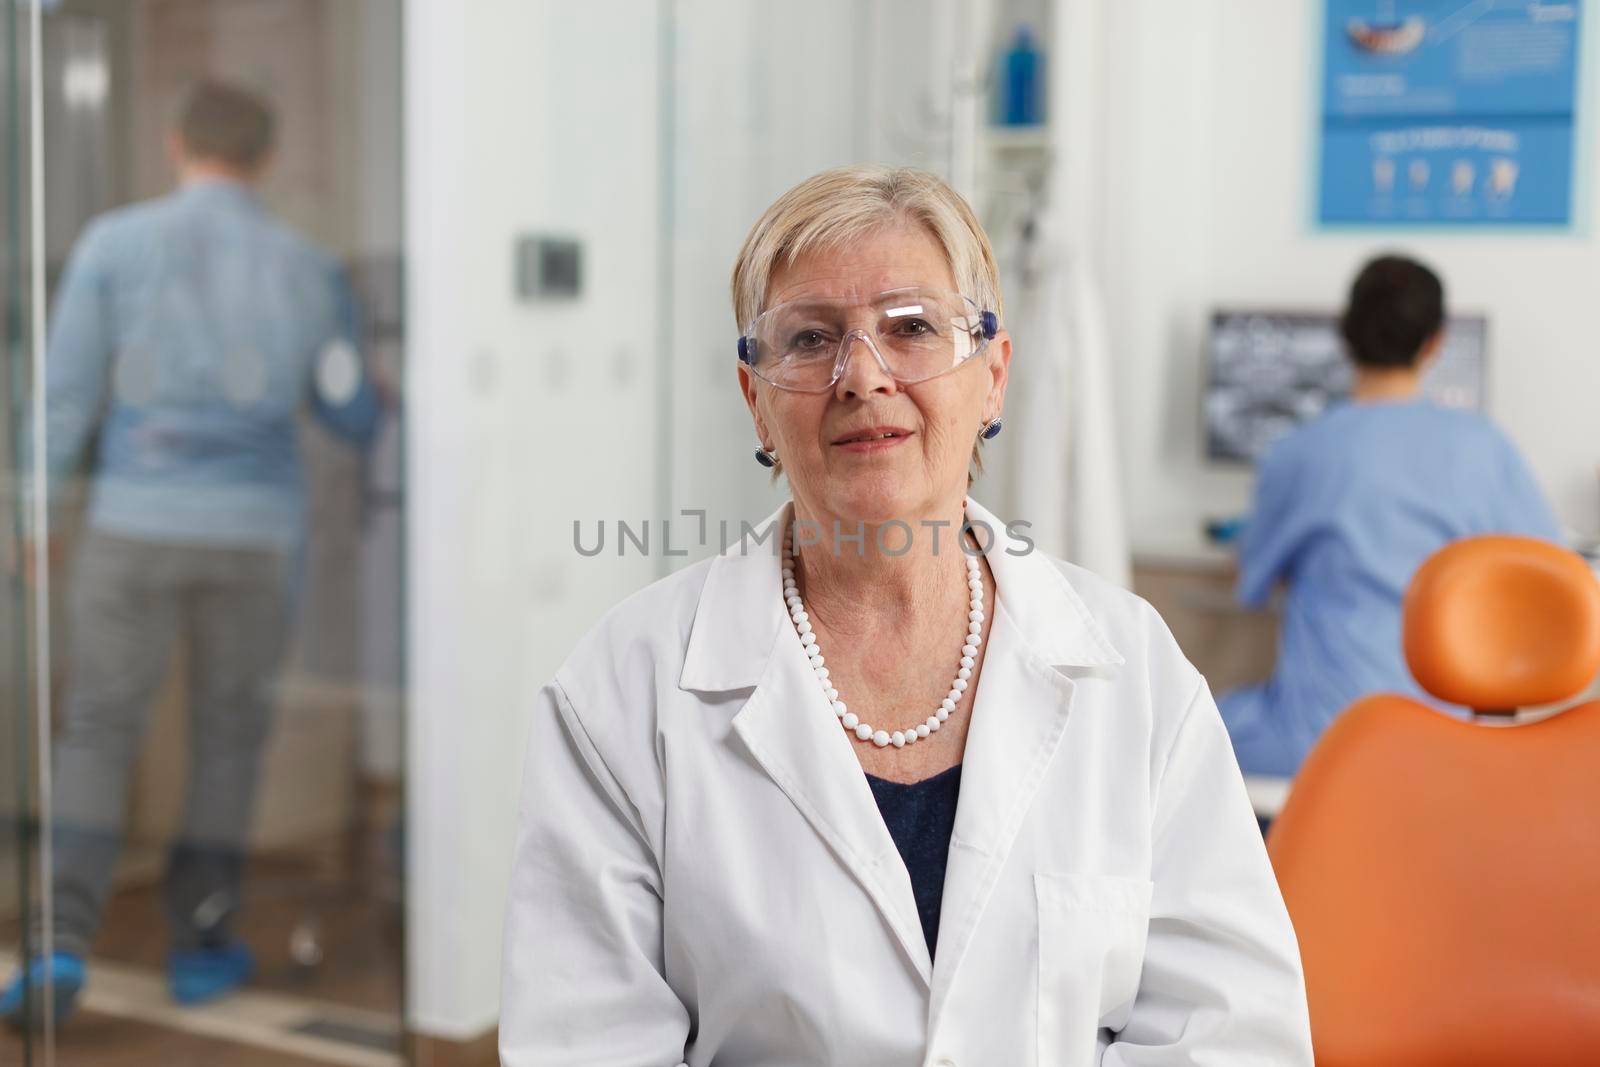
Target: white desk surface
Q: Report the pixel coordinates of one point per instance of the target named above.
(1266, 794)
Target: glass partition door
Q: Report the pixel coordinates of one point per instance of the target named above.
(200, 677)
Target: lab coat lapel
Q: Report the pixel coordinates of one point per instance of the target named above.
(790, 729)
(1019, 716)
(1041, 630)
(742, 637)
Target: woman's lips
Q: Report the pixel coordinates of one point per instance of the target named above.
(875, 440)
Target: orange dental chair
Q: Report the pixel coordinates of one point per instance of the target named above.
(1443, 875)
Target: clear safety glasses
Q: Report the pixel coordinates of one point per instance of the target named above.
(915, 334)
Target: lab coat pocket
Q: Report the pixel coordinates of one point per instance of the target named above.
(1092, 932)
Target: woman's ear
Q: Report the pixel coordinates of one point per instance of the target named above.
(747, 389)
(999, 371)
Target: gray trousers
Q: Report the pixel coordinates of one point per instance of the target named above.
(131, 601)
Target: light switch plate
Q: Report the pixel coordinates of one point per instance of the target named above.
(548, 268)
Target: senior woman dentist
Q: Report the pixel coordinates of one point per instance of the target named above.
(851, 793)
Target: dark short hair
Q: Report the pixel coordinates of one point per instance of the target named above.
(1396, 305)
(227, 124)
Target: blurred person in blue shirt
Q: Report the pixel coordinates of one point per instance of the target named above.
(1348, 506)
(189, 334)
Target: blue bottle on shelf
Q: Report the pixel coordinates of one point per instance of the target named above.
(1020, 90)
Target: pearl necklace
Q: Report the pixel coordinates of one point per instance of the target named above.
(847, 718)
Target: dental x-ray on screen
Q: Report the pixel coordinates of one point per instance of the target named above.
(1269, 371)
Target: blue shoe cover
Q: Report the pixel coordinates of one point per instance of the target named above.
(201, 975)
(62, 973)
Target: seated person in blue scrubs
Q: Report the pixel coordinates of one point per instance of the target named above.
(1349, 505)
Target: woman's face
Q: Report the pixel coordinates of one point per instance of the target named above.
(924, 466)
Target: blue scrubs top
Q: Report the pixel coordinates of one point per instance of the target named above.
(1346, 508)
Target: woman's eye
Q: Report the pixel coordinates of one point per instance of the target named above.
(914, 328)
(808, 341)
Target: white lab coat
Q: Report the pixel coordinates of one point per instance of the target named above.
(702, 875)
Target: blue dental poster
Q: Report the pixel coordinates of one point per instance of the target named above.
(1448, 112)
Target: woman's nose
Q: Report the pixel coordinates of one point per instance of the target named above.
(864, 372)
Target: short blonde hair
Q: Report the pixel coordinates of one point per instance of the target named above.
(839, 205)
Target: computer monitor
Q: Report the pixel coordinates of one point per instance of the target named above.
(1269, 371)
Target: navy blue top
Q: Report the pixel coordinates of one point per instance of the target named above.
(921, 817)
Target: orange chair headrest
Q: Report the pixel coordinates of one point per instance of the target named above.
(1499, 623)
